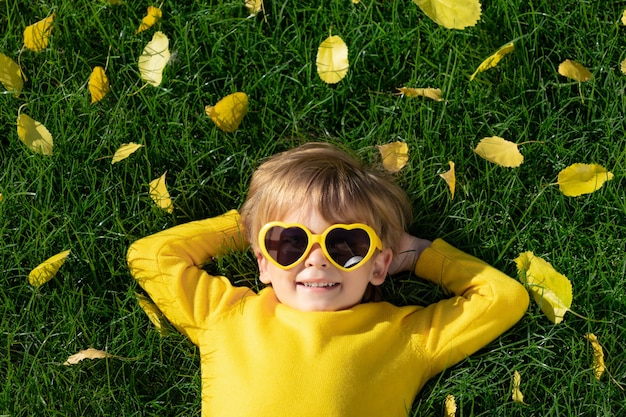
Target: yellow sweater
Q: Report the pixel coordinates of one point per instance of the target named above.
(262, 358)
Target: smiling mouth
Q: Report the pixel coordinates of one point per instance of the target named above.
(318, 284)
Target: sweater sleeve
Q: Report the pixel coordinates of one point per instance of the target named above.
(485, 304)
(167, 265)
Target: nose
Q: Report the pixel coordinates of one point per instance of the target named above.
(316, 257)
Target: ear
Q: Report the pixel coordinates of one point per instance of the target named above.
(264, 275)
(381, 266)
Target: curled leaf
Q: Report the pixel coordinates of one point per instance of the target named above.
(598, 355)
(34, 134)
(574, 70)
(450, 406)
(551, 290)
(433, 93)
(90, 353)
(37, 35)
(451, 14)
(125, 151)
(450, 178)
(394, 155)
(228, 113)
(516, 394)
(579, 179)
(98, 84)
(154, 58)
(154, 314)
(10, 75)
(154, 15)
(160, 195)
(332, 60)
(254, 6)
(500, 151)
(46, 270)
(493, 60)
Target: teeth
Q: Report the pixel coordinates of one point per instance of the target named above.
(318, 284)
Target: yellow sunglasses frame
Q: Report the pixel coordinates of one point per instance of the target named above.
(375, 242)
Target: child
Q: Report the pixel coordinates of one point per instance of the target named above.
(325, 232)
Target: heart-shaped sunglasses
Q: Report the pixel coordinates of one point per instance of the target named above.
(346, 246)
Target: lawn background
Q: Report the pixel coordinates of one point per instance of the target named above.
(77, 200)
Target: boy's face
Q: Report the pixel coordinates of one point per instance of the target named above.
(316, 284)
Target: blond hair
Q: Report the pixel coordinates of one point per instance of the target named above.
(326, 178)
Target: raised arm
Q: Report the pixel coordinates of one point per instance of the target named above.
(485, 303)
(167, 265)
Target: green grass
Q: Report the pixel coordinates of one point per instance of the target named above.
(77, 200)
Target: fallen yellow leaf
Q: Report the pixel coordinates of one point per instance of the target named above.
(160, 195)
(154, 314)
(124, 151)
(37, 35)
(154, 58)
(451, 14)
(624, 17)
(153, 16)
(598, 355)
(228, 113)
(450, 179)
(499, 151)
(90, 353)
(395, 155)
(34, 134)
(433, 93)
(98, 84)
(10, 75)
(622, 67)
(579, 179)
(516, 394)
(46, 270)
(254, 6)
(332, 60)
(493, 60)
(450, 406)
(551, 290)
(574, 70)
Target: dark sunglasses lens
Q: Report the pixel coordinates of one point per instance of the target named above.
(348, 247)
(285, 245)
